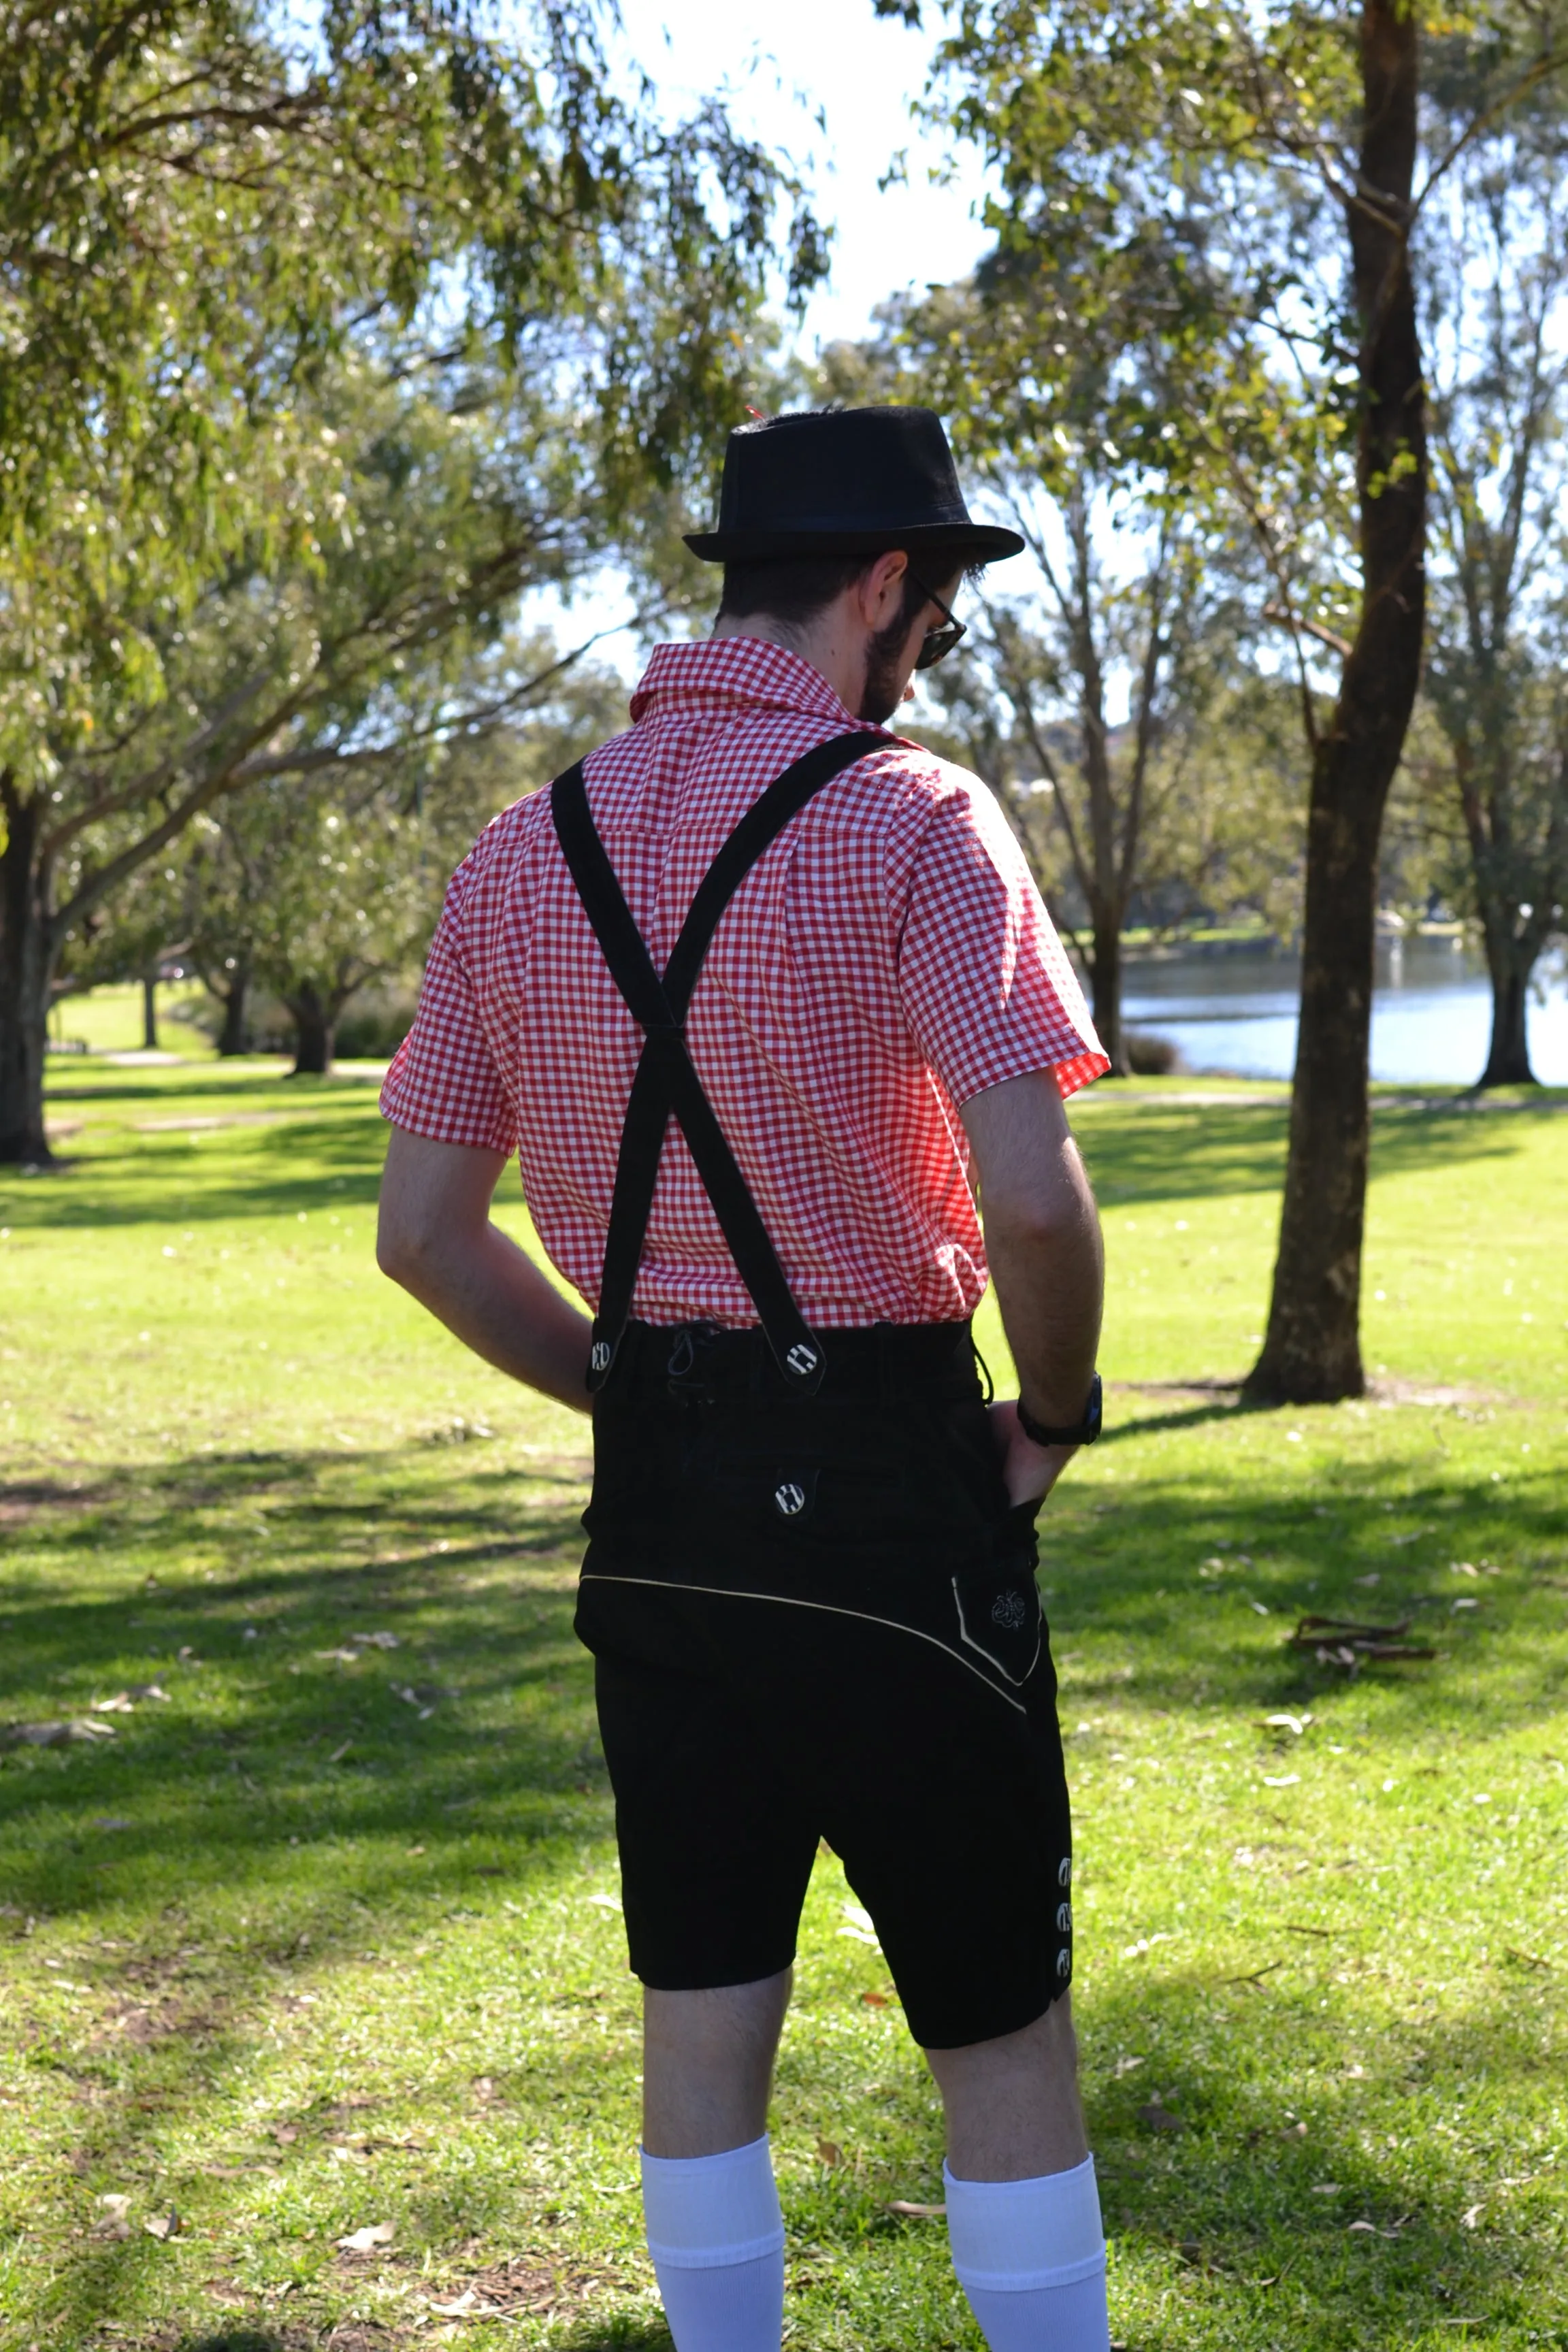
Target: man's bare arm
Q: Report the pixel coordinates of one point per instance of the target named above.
(436, 1238)
(1042, 1237)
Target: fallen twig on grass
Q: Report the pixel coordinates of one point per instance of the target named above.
(1343, 1642)
(507, 2290)
(1254, 1976)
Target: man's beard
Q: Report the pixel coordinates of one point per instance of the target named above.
(885, 656)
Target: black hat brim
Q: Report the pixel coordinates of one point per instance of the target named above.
(967, 543)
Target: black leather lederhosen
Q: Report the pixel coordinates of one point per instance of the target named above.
(786, 1464)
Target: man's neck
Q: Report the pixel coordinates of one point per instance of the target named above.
(824, 641)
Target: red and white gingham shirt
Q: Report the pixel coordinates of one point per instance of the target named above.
(888, 957)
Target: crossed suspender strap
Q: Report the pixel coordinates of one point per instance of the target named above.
(666, 1080)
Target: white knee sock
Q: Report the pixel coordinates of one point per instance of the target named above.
(716, 2235)
(1030, 2256)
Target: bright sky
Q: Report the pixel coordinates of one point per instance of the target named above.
(780, 69)
(782, 65)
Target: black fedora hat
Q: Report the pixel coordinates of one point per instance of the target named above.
(845, 481)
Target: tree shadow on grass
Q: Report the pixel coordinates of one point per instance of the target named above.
(356, 1671)
(1259, 2185)
(324, 1152)
(276, 1772)
(1214, 1152)
(385, 1652)
(601, 2333)
(323, 1157)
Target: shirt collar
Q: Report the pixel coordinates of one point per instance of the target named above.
(736, 674)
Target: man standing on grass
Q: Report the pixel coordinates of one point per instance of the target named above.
(751, 991)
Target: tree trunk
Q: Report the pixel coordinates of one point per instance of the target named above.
(234, 1038)
(1105, 983)
(1508, 1059)
(150, 1010)
(25, 966)
(1311, 1350)
(314, 1021)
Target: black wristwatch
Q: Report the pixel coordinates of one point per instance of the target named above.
(1086, 1432)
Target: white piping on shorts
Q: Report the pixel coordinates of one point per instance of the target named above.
(1017, 1681)
(894, 1624)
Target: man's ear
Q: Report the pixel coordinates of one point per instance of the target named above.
(881, 588)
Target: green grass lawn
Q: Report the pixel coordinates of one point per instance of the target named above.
(324, 1941)
(109, 1020)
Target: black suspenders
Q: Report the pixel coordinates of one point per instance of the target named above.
(666, 1080)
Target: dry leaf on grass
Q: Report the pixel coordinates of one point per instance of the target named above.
(368, 2241)
(162, 2225)
(509, 2289)
(114, 2221)
(875, 2000)
(1159, 2117)
(53, 1735)
(124, 1702)
(829, 2153)
(1341, 1641)
(908, 2212)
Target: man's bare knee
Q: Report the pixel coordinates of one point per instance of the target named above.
(708, 2065)
(1012, 2104)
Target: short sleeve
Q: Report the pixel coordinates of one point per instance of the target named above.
(986, 985)
(444, 1083)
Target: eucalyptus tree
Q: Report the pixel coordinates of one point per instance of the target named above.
(1233, 189)
(1106, 610)
(221, 231)
(1495, 280)
(330, 877)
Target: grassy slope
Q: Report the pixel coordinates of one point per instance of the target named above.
(316, 1945)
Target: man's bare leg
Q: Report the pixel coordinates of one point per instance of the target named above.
(1023, 2212)
(1012, 2105)
(708, 2065)
(714, 2227)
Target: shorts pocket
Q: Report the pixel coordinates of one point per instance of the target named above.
(999, 1615)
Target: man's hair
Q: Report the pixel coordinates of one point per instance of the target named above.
(788, 587)
(795, 588)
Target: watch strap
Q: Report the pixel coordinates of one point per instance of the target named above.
(1084, 1433)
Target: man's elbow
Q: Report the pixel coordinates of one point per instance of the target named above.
(404, 1251)
(1042, 1221)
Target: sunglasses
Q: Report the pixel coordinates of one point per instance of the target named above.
(938, 643)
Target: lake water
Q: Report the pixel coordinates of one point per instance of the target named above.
(1431, 1014)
